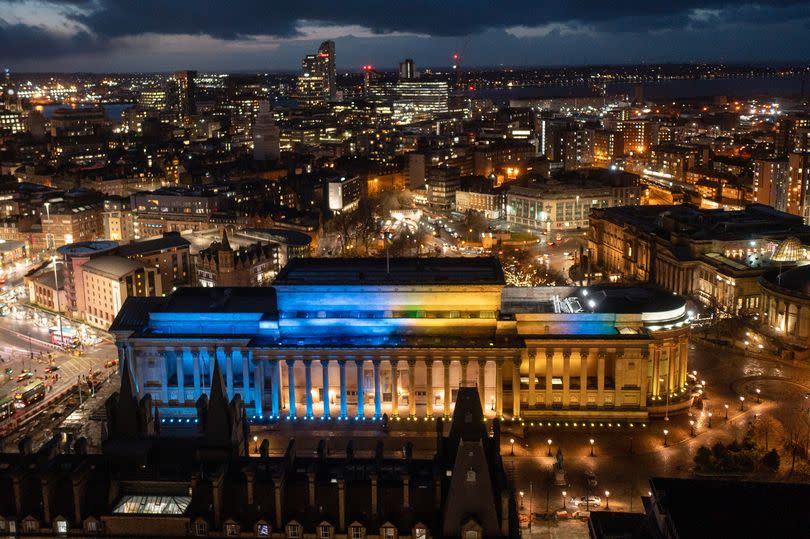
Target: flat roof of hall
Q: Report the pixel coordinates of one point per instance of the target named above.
(376, 271)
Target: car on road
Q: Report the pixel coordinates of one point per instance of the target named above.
(111, 363)
(52, 368)
(25, 375)
(588, 501)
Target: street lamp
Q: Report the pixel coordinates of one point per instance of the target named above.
(758, 398)
(256, 443)
(607, 500)
(665, 438)
(521, 498)
(592, 441)
(726, 406)
(549, 446)
(58, 307)
(564, 494)
(742, 403)
(692, 426)
(512, 443)
(710, 420)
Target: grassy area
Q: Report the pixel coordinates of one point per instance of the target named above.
(522, 236)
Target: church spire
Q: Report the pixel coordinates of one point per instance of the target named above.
(225, 243)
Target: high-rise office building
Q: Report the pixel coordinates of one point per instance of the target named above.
(186, 94)
(266, 135)
(318, 80)
(770, 182)
(798, 188)
(407, 70)
(328, 70)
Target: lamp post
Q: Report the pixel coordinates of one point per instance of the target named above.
(665, 438)
(607, 500)
(692, 426)
(742, 403)
(512, 444)
(726, 406)
(592, 441)
(256, 443)
(710, 420)
(759, 400)
(564, 494)
(549, 446)
(58, 307)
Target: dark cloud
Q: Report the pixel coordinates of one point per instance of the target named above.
(614, 30)
(237, 18)
(20, 41)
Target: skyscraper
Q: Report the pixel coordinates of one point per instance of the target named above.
(186, 94)
(327, 68)
(407, 70)
(265, 135)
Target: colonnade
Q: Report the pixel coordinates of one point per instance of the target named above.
(539, 378)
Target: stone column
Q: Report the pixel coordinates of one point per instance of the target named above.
(308, 381)
(683, 362)
(276, 388)
(447, 392)
(531, 356)
(516, 388)
(464, 367)
(499, 387)
(643, 388)
(361, 412)
(229, 371)
(549, 371)
(164, 374)
(344, 413)
(412, 388)
(583, 377)
(482, 370)
(377, 391)
(429, 387)
(600, 379)
(258, 384)
(394, 388)
(181, 376)
(325, 367)
(656, 374)
(566, 399)
(291, 386)
(195, 358)
(246, 357)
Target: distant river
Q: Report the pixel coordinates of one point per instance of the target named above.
(675, 89)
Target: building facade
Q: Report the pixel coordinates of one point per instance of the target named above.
(714, 256)
(346, 338)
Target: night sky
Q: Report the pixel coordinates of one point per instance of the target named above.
(160, 35)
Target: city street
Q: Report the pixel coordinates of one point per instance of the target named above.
(624, 457)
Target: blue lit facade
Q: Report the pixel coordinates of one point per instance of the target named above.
(357, 349)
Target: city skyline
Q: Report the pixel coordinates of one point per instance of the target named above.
(76, 35)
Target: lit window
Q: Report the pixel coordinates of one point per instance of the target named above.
(200, 528)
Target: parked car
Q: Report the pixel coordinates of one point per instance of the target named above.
(592, 501)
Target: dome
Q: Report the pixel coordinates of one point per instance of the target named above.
(789, 250)
(796, 279)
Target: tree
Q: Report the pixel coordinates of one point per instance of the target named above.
(772, 460)
(703, 458)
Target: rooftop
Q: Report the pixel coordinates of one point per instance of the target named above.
(111, 266)
(379, 271)
(169, 240)
(86, 248)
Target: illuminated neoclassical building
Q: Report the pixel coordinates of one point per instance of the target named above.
(359, 338)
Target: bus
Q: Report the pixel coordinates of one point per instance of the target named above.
(31, 393)
(6, 407)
